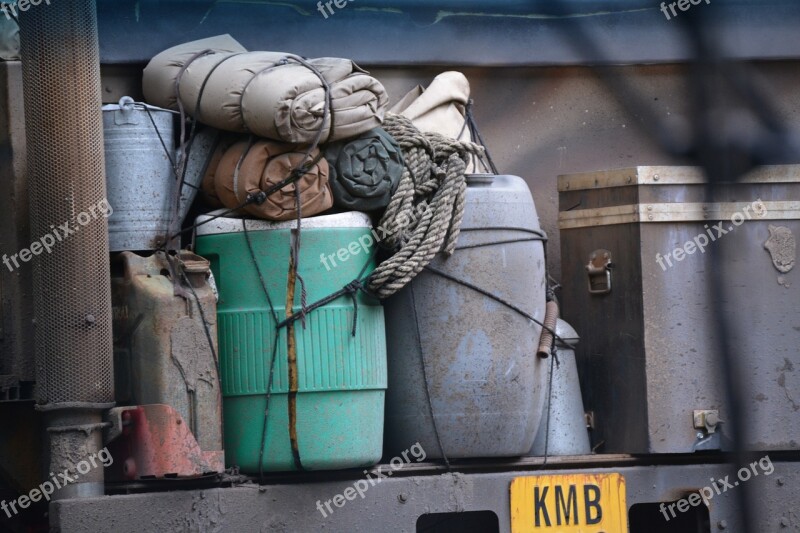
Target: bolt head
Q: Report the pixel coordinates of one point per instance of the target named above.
(722, 524)
(784, 522)
(403, 498)
(699, 435)
(129, 468)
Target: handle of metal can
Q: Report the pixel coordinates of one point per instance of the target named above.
(125, 115)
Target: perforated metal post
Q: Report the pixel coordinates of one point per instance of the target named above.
(74, 357)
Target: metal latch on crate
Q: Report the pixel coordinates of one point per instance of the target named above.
(599, 272)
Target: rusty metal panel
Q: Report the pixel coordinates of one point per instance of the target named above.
(647, 356)
(161, 345)
(154, 441)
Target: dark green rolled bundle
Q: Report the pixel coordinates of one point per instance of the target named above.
(365, 170)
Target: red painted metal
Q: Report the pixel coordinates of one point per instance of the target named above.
(153, 441)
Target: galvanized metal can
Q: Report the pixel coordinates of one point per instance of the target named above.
(562, 430)
(141, 184)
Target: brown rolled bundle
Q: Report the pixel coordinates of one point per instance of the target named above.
(265, 164)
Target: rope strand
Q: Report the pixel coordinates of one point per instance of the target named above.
(424, 216)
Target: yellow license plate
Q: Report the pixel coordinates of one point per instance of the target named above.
(569, 503)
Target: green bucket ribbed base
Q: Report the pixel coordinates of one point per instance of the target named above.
(335, 430)
(341, 377)
(340, 403)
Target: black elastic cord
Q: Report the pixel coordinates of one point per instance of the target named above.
(177, 87)
(553, 362)
(250, 141)
(494, 297)
(186, 148)
(538, 235)
(476, 135)
(184, 143)
(350, 289)
(259, 198)
(495, 243)
(161, 139)
(273, 357)
(425, 377)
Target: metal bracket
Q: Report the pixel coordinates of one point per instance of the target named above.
(124, 115)
(153, 441)
(706, 419)
(599, 271)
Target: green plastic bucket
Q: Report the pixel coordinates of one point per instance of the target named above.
(342, 378)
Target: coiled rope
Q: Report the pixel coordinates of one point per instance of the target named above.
(424, 216)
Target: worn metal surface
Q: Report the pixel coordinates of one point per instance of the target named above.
(669, 212)
(75, 436)
(72, 296)
(562, 430)
(661, 175)
(142, 184)
(154, 441)
(455, 32)
(66, 178)
(646, 358)
(397, 503)
(607, 207)
(162, 353)
(476, 357)
(142, 188)
(17, 371)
